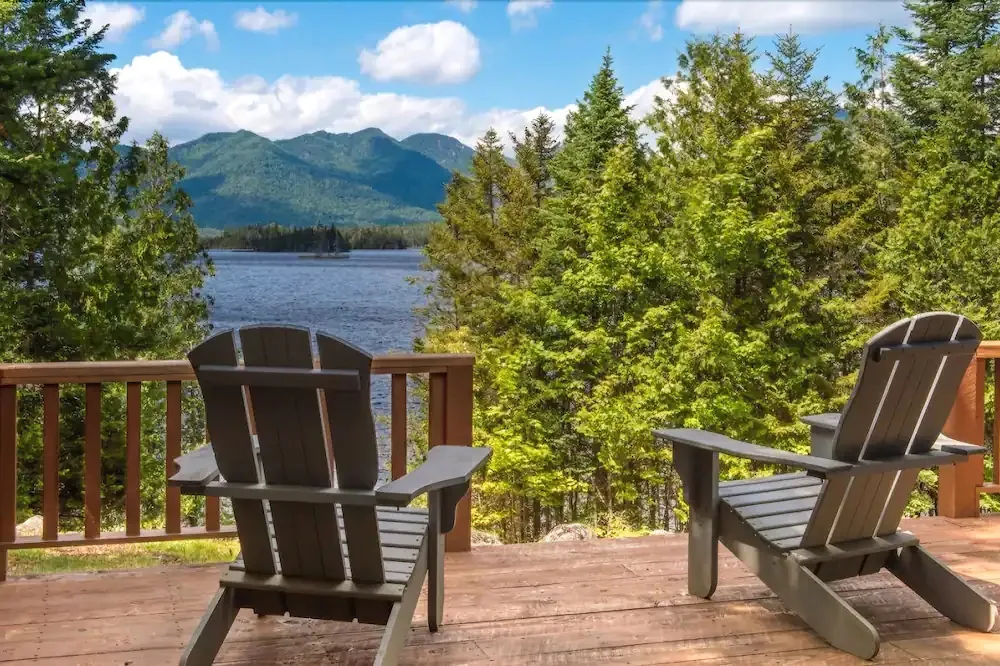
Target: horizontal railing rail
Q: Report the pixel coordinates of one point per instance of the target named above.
(961, 485)
(449, 421)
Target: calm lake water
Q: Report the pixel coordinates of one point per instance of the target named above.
(367, 299)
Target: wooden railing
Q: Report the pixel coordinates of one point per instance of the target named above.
(960, 485)
(449, 421)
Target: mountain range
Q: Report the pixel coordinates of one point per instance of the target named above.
(240, 178)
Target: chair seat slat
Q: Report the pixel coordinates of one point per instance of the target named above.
(775, 496)
(776, 508)
(780, 520)
(768, 485)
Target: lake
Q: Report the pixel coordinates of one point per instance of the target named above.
(367, 300)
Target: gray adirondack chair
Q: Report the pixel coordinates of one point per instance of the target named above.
(309, 548)
(839, 518)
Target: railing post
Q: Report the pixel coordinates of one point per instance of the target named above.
(458, 432)
(8, 471)
(958, 484)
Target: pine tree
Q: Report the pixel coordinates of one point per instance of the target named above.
(867, 154)
(753, 342)
(99, 255)
(534, 154)
(948, 61)
(803, 104)
(599, 124)
(941, 252)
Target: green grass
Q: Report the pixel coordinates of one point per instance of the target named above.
(33, 562)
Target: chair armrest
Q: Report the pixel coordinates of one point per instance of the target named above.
(949, 445)
(445, 474)
(195, 470)
(710, 441)
(827, 421)
(822, 428)
(445, 467)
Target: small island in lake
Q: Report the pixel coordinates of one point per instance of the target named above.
(328, 246)
(317, 242)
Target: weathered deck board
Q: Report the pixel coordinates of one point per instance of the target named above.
(603, 601)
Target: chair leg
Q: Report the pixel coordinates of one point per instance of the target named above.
(942, 588)
(398, 626)
(211, 632)
(834, 619)
(699, 471)
(435, 563)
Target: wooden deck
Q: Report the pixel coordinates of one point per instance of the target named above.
(602, 601)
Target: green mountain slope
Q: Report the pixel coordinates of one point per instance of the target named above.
(239, 178)
(377, 160)
(450, 153)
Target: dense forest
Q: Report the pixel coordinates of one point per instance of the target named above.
(277, 238)
(724, 277)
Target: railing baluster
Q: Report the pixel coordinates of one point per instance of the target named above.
(8, 471)
(397, 462)
(212, 521)
(133, 458)
(437, 409)
(92, 463)
(173, 451)
(50, 463)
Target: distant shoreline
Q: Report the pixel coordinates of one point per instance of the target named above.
(386, 249)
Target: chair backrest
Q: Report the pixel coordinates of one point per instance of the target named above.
(293, 451)
(909, 378)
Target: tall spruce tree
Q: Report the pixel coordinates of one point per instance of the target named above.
(534, 152)
(941, 254)
(599, 124)
(755, 344)
(578, 309)
(99, 255)
(867, 152)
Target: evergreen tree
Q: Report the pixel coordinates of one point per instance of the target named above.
(941, 254)
(755, 343)
(868, 156)
(803, 104)
(534, 154)
(99, 255)
(725, 280)
(594, 130)
(948, 61)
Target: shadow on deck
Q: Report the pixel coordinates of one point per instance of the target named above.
(600, 601)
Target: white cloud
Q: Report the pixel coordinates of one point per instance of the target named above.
(118, 16)
(261, 20)
(651, 20)
(436, 53)
(158, 92)
(464, 6)
(182, 26)
(768, 16)
(523, 13)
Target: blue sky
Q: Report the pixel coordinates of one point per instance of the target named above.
(453, 66)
